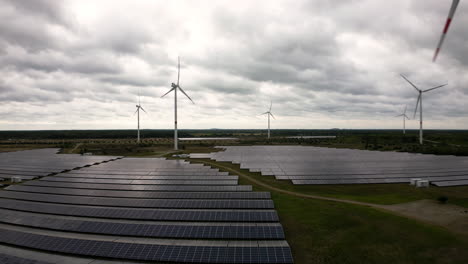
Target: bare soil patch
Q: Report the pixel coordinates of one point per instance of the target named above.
(452, 217)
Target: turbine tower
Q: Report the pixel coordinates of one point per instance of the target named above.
(139, 107)
(174, 88)
(268, 113)
(420, 105)
(404, 119)
(453, 8)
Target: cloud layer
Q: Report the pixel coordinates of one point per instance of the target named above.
(323, 64)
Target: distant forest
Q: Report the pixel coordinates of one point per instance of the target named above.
(169, 133)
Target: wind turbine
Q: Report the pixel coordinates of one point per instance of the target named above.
(404, 119)
(139, 107)
(420, 105)
(268, 113)
(453, 8)
(174, 88)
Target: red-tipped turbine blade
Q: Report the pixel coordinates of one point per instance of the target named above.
(453, 8)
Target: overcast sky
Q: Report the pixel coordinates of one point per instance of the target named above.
(323, 64)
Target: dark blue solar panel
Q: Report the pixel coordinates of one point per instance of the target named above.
(215, 215)
(148, 252)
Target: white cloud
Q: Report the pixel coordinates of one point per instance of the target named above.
(81, 64)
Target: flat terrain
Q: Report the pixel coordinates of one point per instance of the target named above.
(333, 232)
(404, 225)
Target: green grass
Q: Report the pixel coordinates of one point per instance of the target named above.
(370, 193)
(330, 232)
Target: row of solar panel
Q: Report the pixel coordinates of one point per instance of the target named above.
(94, 169)
(352, 181)
(9, 259)
(136, 177)
(450, 183)
(109, 170)
(148, 252)
(140, 203)
(136, 165)
(162, 173)
(154, 230)
(349, 171)
(17, 171)
(376, 177)
(20, 173)
(23, 177)
(216, 215)
(139, 194)
(141, 182)
(186, 188)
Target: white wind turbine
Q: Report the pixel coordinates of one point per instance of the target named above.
(404, 119)
(174, 88)
(268, 113)
(138, 106)
(420, 105)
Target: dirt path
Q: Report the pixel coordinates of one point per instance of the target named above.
(76, 146)
(452, 217)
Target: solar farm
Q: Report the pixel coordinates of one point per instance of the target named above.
(319, 166)
(80, 208)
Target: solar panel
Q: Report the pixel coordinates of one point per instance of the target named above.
(155, 229)
(9, 259)
(139, 177)
(217, 253)
(314, 165)
(143, 209)
(140, 203)
(140, 194)
(169, 188)
(450, 183)
(140, 182)
(215, 215)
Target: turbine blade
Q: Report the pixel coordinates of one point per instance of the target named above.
(142, 109)
(398, 115)
(180, 88)
(407, 117)
(271, 104)
(135, 111)
(417, 103)
(172, 89)
(404, 112)
(434, 88)
(410, 82)
(272, 116)
(446, 27)
(264, 113)
(178, 71)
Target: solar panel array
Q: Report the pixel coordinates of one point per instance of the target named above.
(315, 165)
(31, 164)
(9, 259)
(143, 209)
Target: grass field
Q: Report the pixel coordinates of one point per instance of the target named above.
(330, 232)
